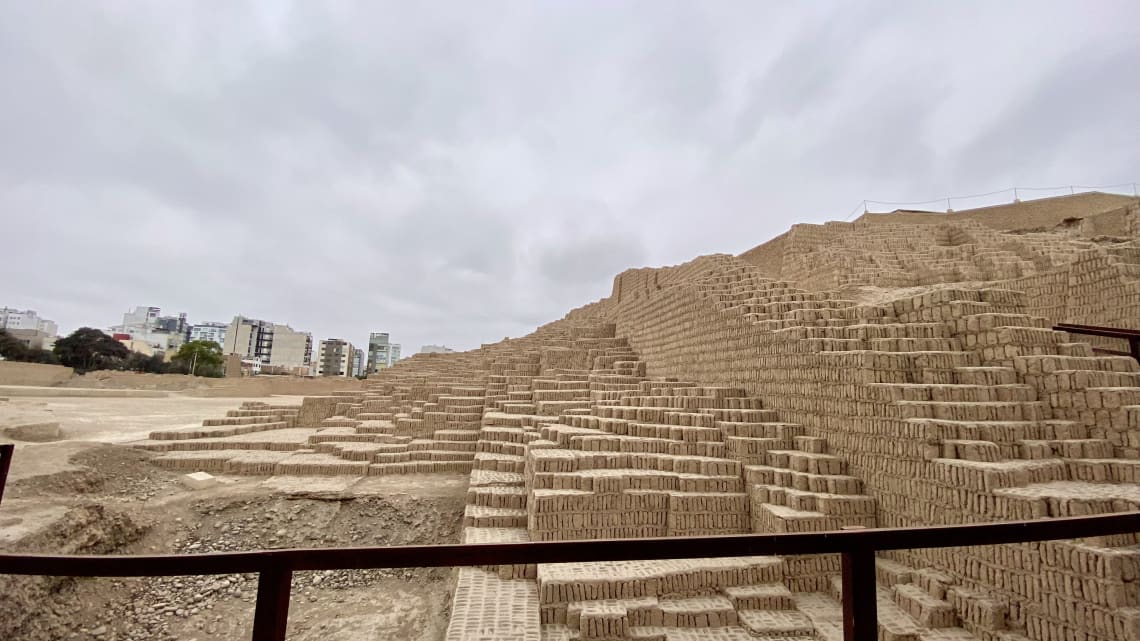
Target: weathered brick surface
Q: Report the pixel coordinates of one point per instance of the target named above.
(727, 395)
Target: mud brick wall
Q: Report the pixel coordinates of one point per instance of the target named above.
(769, 257)
(13, 373)
(566, 506)
(1104, 288)
(1101, 287)
(1110, 223)
(821, 378)
(1046, 295)
(564, 358)
(910, 248)
(1032, 214)
(315, 409)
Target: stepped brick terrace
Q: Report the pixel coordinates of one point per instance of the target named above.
(900, 370)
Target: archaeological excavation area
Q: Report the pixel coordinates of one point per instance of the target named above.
(901, 370)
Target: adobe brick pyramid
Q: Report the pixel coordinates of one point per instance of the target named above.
(899, 370)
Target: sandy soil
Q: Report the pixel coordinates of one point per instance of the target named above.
(114, 501)
(90, 494)
(86, 422)
(213, 387)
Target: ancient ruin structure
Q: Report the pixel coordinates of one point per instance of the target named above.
(900, 370)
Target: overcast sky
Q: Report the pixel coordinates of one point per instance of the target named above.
(456, 173)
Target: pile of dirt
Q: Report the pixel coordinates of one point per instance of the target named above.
(202, 386)
(110, 379)
(109, 472)
(33, 432)
(42, 607)
(401, 603)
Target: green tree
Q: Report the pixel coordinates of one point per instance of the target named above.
(12, 348)
(38, 355)
(139, 362)
(200, 358)
(88, 349)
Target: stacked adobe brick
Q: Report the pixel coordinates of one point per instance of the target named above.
(646, 458)
(934, 414)
(710, 398)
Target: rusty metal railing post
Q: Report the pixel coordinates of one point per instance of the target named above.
(6, 452)
(860, 608)
(271, 613)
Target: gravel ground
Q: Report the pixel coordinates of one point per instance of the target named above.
(113, 501)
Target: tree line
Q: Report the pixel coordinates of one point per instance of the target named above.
(87, 350)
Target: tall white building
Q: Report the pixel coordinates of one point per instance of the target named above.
(141, 319)
(358, 362)
(379, 352)
(209, 331)
(382, 352)
(11, 318)
(26, 325)
(147, 324)
(436, 349)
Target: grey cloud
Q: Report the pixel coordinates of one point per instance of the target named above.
(454, 176)
(804, 74)
(1087, 105)
(590, 259)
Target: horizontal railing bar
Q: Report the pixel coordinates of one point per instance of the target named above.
(410, 556)
(1112, 352)
(1094, 330)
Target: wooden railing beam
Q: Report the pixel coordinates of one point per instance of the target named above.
(1130, 335)
(860, 608)
(271, 614)
(6, 452)
(456, 555)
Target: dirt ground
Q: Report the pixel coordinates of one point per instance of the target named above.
(65, 380)
(87, 421)
(89, 497)
(214, 387)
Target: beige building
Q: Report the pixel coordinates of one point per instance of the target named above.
(289, 348)
(249, 337)
(335, 357)
(33, 338)
(140, 346)
(269, 343)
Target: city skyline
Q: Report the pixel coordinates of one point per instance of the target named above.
(131, 319)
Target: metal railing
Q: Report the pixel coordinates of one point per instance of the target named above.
(857, 548)
(1130, 335)
(6, 451)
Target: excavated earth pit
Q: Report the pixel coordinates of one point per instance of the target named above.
(116, 502)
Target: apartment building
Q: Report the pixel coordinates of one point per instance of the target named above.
(335, 357)
(26, 326)
(147, 324)
(290, 349)
(268, 343)
(209, 331)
